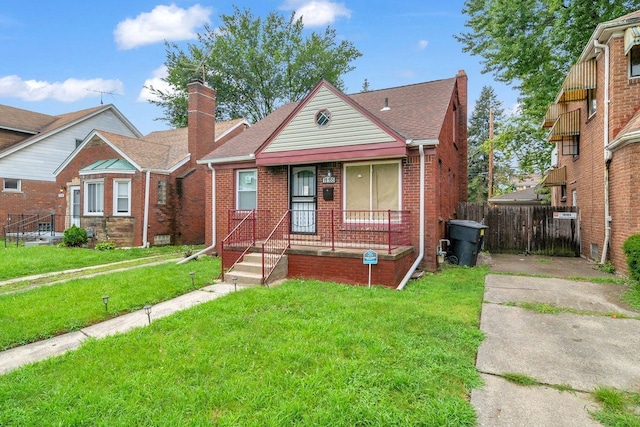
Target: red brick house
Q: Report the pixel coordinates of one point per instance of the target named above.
(329, 177)
(140, 191)
(595, 124)
(32, 146)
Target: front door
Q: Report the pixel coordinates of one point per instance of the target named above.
(303, 199)
(75, 205)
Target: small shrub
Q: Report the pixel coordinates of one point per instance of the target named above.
(105, 246)
(631, 248)
(187, 250)
(607, 267)
(74, 237)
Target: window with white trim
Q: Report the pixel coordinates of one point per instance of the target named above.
(634, 62)
(94, 197)
(372, 187)
(247, 189)
(121, 197)
(11, 184)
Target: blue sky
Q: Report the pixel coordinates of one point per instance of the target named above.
(57, 56)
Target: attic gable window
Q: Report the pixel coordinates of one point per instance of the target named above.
(323, 117)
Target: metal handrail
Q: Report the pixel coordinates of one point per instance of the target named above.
(236, 231)
(272, 253)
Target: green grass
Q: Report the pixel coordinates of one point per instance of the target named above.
(304, 353)
(26, 261)
(632, 296)
(47, 311)
(619, 408)
(520, 379)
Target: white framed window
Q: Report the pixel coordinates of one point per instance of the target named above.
(246, 189)
(12, 185)
(634, 62)
(121, 197)
(374, 186)
(94, 197)
(162, 192)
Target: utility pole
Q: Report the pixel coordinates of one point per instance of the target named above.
(490, 178)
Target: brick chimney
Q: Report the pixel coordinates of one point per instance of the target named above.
(201, 120)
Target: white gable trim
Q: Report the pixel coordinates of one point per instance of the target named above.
(42, 136)
(88, 138)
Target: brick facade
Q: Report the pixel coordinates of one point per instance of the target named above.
(445, 185)
(586, 172)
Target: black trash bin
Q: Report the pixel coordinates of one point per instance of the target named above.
(466, 240)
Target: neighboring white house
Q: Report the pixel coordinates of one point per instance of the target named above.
(33, 145)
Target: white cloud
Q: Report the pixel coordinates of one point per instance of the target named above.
(162, 23)
(405, 74)
(317, 13)
(156, 81)
(422, 44)
(69, 90)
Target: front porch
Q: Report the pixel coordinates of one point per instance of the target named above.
(329, 244)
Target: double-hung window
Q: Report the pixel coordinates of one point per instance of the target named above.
(121, 197)
(371, 189)
(94, 197)
(247, 189)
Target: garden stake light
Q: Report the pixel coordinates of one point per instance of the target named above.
(147, 309)
(192, 274)
(235, 283)
(105, 301)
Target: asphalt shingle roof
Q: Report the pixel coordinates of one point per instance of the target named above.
(415, 111)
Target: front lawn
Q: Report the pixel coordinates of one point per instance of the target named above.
(25, 261)
(51, 310)
(302, 353)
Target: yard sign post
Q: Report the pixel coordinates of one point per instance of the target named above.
(369, 258)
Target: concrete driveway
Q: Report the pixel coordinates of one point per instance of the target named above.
(593, 343)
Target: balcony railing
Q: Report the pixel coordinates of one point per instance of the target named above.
(333, 228)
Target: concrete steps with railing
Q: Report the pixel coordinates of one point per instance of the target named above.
(249, 271)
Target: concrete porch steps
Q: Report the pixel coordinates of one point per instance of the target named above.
(249, 271)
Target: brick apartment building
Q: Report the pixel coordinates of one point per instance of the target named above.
(335, 174)
(595, 124)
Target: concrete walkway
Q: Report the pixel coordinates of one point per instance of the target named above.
(19, 356)
(592, 344)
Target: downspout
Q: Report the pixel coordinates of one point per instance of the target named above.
(421, 244)
(607, 152)
(213, 219)
(145, 225)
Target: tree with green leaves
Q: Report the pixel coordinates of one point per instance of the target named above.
(479, 149)
(255, 65)
(531, 44)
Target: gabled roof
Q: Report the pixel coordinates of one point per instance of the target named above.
(605, 30)
(41, 126)
(159, 151)
(16, 119)
(415, 112)
(630, 133)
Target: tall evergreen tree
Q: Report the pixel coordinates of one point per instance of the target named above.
(479, 148)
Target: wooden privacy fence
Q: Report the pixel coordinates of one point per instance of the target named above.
(541, 230)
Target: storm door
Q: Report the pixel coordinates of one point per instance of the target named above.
(303, 199)
(75, 205)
